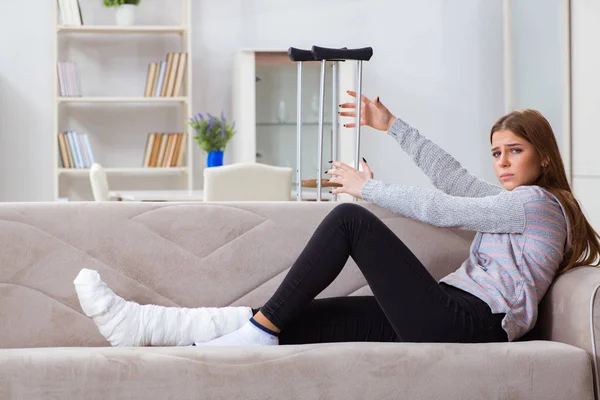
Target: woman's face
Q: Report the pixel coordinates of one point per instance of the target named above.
(516, 162)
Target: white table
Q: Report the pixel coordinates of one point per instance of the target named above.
(157, 195)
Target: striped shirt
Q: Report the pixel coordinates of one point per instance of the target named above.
(521, 234)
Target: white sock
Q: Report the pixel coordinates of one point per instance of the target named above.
(127, 323)
(248, 335)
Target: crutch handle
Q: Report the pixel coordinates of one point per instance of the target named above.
(324, 53)
(312, 183)
(300, 55)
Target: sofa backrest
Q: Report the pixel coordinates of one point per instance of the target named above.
(172, 254)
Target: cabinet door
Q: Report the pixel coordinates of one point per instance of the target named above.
(277, 120)
(242, 147)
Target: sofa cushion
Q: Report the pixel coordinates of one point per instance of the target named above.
(534, 370)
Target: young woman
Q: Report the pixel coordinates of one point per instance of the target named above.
(528, 231)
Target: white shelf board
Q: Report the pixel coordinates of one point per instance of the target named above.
(125, 171)
(121, 29)
(99, 99)
(290, 123)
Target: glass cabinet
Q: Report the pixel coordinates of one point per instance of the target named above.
(265, 111)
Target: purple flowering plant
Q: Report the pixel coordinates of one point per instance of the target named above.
(212, 133)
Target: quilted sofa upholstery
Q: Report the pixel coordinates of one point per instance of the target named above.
(217, 254)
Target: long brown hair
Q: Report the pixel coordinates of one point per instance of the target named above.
(532, 126)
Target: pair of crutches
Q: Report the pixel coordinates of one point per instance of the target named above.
(324, 55)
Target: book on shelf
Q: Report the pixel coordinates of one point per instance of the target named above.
(164, 150)
(75, 150)
(69, 81)
(159, 78)
(165, 78)
(151, 80)
(168, 69)
(70, 12)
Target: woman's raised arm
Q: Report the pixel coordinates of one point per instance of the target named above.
(445, 172)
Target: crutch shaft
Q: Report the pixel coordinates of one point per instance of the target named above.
(299, 134)
(358, 113)
(321, 125)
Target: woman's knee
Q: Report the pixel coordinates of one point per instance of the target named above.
(352, 210)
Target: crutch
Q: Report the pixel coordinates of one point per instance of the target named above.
(323, 55)
(299, 56)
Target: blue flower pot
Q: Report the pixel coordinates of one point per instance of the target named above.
(214, 159)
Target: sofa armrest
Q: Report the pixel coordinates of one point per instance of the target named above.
(570, 313)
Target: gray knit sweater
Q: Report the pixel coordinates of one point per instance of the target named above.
(521, 234)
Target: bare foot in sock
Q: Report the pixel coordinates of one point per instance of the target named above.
(127, 323)
(251, 334)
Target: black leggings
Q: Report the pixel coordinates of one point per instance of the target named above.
(408, 304)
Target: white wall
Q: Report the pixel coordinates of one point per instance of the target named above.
(539, 68)
(25, 102)
(438, 64)
(586, 105)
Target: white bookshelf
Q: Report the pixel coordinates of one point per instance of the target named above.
(106, 99)
(121, 29)
(127, 176)
(125, 171)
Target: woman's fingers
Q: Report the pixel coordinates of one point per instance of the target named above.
(347, 114)
(367, 169)
(364, 98)
(336, 172)
(348, 105)
(353, 124)
(343, 166)
(353, 94)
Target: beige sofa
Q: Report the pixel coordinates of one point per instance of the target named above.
(236, 253)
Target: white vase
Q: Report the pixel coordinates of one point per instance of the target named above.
(125, 14)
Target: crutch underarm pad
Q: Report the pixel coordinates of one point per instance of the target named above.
(300, 55)
(324, 53)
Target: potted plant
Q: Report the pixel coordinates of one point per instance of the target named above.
(125, 10)
(212, 134)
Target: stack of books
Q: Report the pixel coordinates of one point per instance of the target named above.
(165, 78)
(165, 149)
(70, 12)
(75, 150)
(68, 79)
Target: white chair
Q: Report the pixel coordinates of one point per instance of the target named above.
(99, 183)
(247, 182)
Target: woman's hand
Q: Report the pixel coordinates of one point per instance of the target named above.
(372, 113)
(352, 181)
